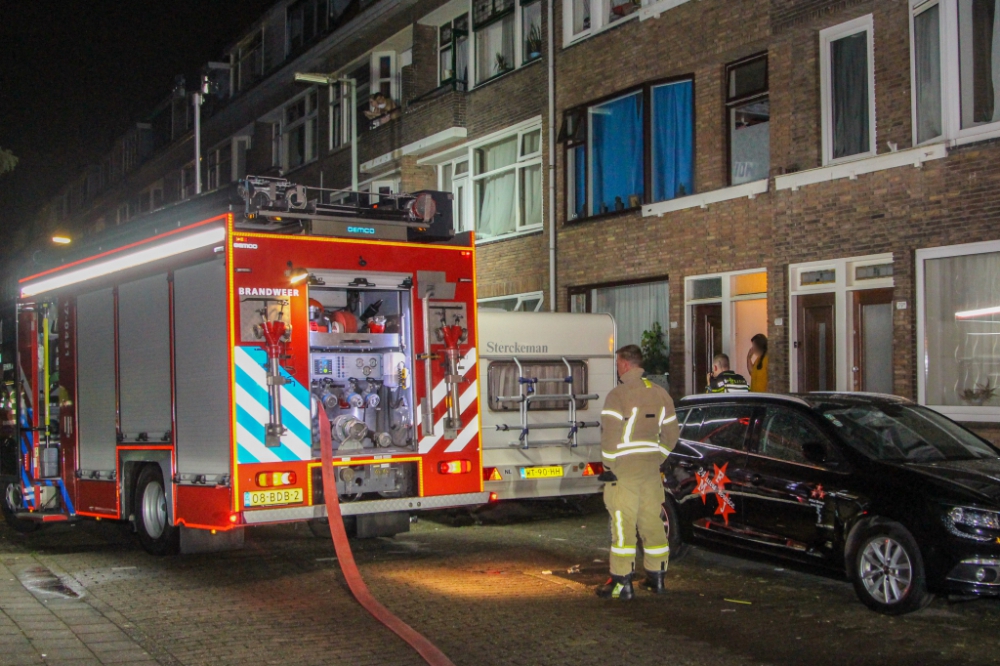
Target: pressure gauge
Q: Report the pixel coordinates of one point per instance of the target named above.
(373, 362)
(367, 371)
(361, 362)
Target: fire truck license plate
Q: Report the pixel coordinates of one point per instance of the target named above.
(541, 472)
(272, 497)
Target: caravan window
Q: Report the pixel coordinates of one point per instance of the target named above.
(503, 383)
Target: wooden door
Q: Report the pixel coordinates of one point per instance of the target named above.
(707, 341)
(817, 342)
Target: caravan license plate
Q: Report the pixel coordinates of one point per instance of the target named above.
(272, 497)
(541, 472)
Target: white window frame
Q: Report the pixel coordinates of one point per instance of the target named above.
(311, 122)
(598, 22)
(463, 217)
(520, 163)
(842, 287)
(451, 45)
(827, 36)
(959, 413)
(392, 79)
(520, 300)
(951, 87)
(727, 299)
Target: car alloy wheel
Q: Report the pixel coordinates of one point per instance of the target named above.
(885, 570)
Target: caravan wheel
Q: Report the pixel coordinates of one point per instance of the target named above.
(152, 522)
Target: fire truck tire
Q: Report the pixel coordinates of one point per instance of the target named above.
(152, 523)
(11, 503)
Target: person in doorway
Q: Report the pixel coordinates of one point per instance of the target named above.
(757, 363)
(638, 431)
(724, 380)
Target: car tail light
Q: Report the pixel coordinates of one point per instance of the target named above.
(455, 467)
(275, 479)
(593, 469)
(491, 474)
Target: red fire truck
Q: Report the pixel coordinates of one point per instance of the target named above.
(170, 372)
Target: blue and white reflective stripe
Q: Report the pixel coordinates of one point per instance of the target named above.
(627, 550)
(631, 424)
(253, 413)
(658, 550)
(609, 412)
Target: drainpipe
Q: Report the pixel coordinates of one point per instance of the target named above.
(196, 103)
(550, 16)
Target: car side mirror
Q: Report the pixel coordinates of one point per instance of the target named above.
(814, 452)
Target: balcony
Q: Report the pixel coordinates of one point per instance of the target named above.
(422, 126)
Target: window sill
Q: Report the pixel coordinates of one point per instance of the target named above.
(914, 157)
(600, 217)
(517, 234)
(975, 135)
(968, 414)
(654, 9)
(496, 77)
(702, 200)
(651, 10)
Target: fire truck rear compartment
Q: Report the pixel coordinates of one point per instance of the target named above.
(369, 481)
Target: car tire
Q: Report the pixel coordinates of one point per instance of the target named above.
(150, 515)
(887, 569)
(672, 525)
(10, 504)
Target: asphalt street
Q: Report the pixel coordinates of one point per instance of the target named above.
(509, 585)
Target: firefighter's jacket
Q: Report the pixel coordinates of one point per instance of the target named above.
(638, 426)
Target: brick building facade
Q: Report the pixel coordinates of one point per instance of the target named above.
(800, 168)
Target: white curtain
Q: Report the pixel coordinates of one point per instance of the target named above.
(496, 39)
(531, 195)
(497, 193)
(635, 307)
(961, 353)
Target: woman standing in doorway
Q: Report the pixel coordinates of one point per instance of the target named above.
(757, 363)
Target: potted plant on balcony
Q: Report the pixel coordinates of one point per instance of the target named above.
(534, 41)
(501, 64)
(655, 360)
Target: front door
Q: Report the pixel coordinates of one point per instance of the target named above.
(816, 343)
(792, 479)
(872, 369)
(707, 341)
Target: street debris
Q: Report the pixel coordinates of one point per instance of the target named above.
(573, 569)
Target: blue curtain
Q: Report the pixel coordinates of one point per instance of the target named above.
(617, 157)
(673, 141)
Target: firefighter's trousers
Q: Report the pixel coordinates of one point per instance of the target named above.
(636, 501)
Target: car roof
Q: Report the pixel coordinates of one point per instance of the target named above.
(803, 399)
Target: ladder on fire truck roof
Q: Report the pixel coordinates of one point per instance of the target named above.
(527, 395)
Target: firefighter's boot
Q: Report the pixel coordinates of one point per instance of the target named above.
(617, 587)
(654, 582)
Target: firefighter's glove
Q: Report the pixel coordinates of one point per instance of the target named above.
(607, 476)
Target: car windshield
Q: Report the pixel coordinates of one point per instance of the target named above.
(904, 433)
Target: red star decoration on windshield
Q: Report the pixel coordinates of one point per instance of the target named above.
(716, 483)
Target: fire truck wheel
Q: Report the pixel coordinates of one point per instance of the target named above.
(156, 534)
(11, 503)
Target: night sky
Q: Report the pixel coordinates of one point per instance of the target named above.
(75, 73)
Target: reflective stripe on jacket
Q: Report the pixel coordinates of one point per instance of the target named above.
(638, 420)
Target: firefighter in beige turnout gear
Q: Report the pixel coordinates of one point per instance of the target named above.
(639, 429)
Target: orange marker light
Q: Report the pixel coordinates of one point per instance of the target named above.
(455, 467)
(272, 479)
(494, 497)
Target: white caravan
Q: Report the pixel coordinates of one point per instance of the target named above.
(544, 377)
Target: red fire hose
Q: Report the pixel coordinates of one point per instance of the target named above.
(424, 647)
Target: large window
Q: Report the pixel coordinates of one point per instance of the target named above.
(635, 307)
(848, 90)
(507, 179)
(493, 21)
(582, 18)
(306, 20)
(959, 320)
(453, 53)
(531, 30)
(340, 113)
(607, 150)
(749, 110)
(298, 131)
(956, 69)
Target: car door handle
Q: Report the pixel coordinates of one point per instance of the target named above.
(756, 479)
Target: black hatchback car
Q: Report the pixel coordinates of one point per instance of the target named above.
(904, 499)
